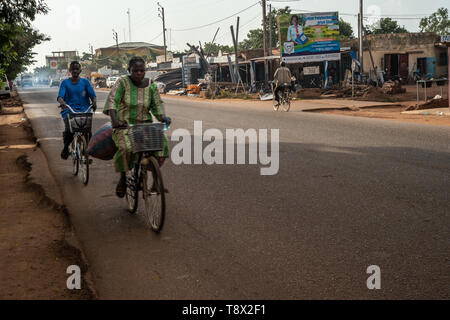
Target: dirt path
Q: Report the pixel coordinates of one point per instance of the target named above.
(33, 228)
(392, 113)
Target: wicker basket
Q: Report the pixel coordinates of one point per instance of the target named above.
(147, 137)
(80, 122)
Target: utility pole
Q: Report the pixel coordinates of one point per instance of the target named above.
(92, 54)
(266, 69)
(270, 29)
(361, 34)
(116, 37)
(129, 24)
(163, 17)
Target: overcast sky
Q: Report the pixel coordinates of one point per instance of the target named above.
(73, 25)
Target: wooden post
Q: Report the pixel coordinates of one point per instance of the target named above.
(266, 69)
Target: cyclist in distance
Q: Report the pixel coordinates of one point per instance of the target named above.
(282, 75)
(78, 94)
(133, 100)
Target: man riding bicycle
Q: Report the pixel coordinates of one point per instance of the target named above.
(78, 94)
(282, 76)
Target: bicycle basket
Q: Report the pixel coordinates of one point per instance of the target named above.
(80, 122)
(147, 137)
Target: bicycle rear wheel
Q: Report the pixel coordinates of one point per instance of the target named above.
(75, 157)
(154, 195)
(132, 190)
(84, 160)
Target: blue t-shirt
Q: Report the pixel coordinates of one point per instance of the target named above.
(76, 95)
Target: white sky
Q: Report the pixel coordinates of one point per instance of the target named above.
(73, 25)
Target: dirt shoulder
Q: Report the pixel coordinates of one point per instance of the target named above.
(33, 228)
(393, 113)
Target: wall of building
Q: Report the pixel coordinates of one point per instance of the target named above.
(110, 52)
(416, 45)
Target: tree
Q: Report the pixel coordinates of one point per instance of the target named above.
(44, 72)
(255, 37)
(385, 26)
(273, 17)
(63, 65)
(17, 37)
(213, 48)
(22, 45)
(438, 22)
(20, 11)
(345, 30)
(254, 40)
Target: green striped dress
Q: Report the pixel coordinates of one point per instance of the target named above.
(133, 105)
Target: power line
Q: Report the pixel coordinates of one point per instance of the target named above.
(224, 33)
(215, 22)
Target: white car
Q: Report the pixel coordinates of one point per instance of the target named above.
(111, 81)
(5, 90)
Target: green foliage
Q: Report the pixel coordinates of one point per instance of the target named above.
(255, 37)
(438, 22)
(63, 65)
(17, 37)
(345, 30)
(213, 48)
(254, 40)
(21, 11)
(386, 26)
(274, 14)
(44, 72)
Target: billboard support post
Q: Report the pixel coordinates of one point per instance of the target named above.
(266, 69)
(361, 34)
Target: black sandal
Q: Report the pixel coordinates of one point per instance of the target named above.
(121, 189)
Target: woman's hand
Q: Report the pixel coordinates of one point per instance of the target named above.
(167, 120)
(117, 124)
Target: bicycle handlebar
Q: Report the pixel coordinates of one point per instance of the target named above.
(74, 112)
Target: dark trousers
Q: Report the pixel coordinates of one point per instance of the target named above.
(68, 136)
(279, 89)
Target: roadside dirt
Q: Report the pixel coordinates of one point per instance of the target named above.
(391, 113)
(33, 228)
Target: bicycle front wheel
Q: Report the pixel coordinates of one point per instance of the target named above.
(84, 161)
(75, 157)
(132, 190)
(154, 195)
(286, 102)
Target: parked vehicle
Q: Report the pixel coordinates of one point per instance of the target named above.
(111, 81)
(55, 83)
(5, 89)
(27, 81)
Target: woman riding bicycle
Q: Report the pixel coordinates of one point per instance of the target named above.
(132, 100)
(78, 94)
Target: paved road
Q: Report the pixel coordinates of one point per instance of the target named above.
(350, 193)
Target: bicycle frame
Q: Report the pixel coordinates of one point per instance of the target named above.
(78, 149)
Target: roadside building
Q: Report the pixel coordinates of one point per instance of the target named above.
(57, 57)
(401, 55)
(132, 48)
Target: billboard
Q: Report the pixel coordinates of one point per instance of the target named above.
(309, 37)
